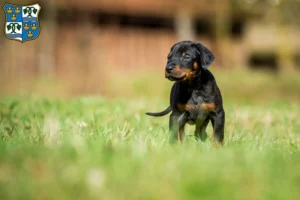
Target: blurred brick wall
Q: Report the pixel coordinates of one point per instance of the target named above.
(83, 51)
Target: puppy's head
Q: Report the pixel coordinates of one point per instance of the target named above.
(186, 59)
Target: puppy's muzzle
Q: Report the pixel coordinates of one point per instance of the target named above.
(170, 68)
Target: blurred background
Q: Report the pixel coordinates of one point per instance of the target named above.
(91, 47)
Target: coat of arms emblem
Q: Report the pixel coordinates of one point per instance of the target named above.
(22, 22)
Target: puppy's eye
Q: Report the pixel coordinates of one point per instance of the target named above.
(186, 57)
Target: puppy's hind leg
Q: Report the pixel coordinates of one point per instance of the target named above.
(218, 122)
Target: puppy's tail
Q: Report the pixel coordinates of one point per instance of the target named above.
(169, 109)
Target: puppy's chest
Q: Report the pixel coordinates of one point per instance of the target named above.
(197, 106)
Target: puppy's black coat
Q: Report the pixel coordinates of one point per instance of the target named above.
(195, 97)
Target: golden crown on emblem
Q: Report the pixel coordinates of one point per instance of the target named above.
(33, 27)
(9, 10)
(29, 34)
(17, 10)
(13, 17)
(26, 27)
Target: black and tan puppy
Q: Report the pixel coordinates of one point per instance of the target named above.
(195, 96)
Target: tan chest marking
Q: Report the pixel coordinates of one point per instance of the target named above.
(209, 107)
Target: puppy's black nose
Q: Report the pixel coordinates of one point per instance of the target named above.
(169, 68)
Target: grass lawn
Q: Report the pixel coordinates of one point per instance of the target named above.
(107, 148)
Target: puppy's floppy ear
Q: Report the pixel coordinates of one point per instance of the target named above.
(206, 56)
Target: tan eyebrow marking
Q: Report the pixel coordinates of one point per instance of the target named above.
(195, 65)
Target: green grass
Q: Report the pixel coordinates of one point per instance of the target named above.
(103, 148)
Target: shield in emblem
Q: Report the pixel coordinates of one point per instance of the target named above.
(22, 23)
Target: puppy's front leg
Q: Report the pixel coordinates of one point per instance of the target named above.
(200, 133)
(176, 126)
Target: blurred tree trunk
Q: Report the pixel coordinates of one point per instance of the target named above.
(284, 49)
(84, 34)
(184, 26)
(47, 40)
(222, 27)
